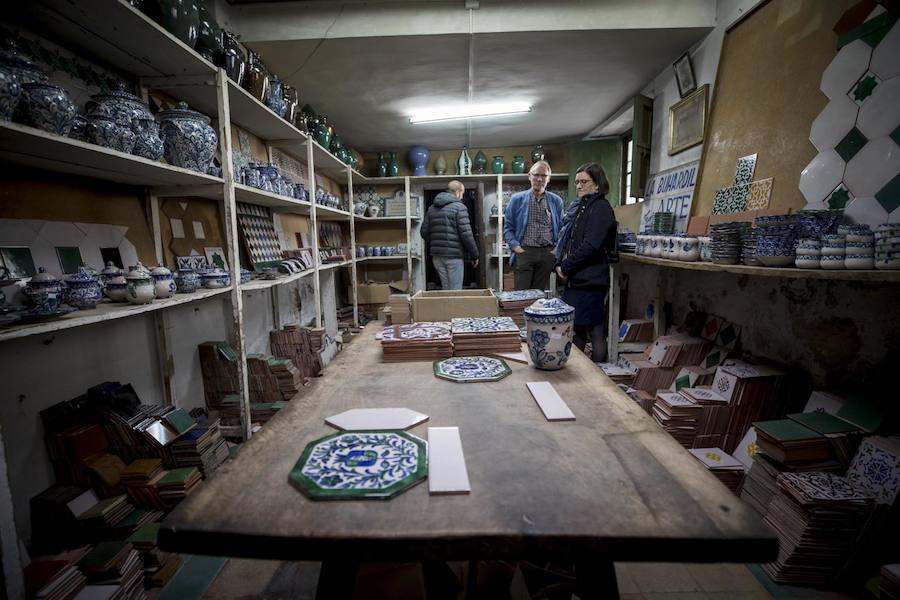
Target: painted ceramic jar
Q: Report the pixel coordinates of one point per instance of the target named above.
(163, 282)
(10, 92)
(187, 281)
(49, 107)
(393, 165)
(549, 328)
(256, 79)
(518, 164)
(79, 129)
(537, 153)
(497, 165)
(275, 100)
(181, 18)
(148, 144)
(116, 288)
(215, 279)
(690, 249)
(43, 292)
(19, 69)
(188, 139)
(126, 108)
(245, 275)
(83, 291)
(103, 130)
(140, 285)
(109, 272)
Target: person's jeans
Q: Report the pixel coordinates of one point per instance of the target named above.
(534, 267)
(450, 270)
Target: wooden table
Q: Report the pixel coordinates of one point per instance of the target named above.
(610, 486)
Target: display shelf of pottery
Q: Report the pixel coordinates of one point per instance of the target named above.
(549, 328)
(43, 292)
(808, 253)
(83, 291)
(887, 246)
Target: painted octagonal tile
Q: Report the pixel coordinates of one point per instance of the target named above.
(376, 419)
(833, 123)
(880, 114)
(821, 176)
(360, 465)
(866, 211)
(872, 167)
(845, 69)
(884, 57)
(468, 369)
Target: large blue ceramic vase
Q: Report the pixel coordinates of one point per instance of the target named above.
(188, 139)
(418, 160)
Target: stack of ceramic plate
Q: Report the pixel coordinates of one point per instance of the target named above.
(748, 234)
(816, 223)
(887, 246)
(664, 222)
(775, 239)
(725, 242)
(860, 246)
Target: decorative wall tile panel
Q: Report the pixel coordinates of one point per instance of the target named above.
(760, 192)
(851, 144)
(821, 176)
(851, 62)
(880, 114)
(739, 194)
(833, 123)
(743, 173)
(889, 195)
(863, 88)
(872, 167)
(884, 57)
(866, 210)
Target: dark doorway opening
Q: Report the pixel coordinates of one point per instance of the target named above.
(472, 275)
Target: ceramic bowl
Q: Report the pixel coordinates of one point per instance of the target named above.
(808, 252)
(887, 264)
(831, 262)
(806, 262)
(859, 261)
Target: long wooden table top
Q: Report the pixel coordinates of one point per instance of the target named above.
(610, 483)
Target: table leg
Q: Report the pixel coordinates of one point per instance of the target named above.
(337, 579)
(439, 580)
(596, 580)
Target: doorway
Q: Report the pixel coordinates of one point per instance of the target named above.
(472, 276)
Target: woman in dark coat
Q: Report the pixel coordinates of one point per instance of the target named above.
(587, 241)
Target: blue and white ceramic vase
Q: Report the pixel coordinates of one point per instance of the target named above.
(83, 291)
(116, 288)
(418, 160)
(148, 144)
(140, 285)
(103, 130)
(549, 327)
(215, 279)
(118, 103)
(163, 282)
(43, 292)
(10, 92)
(18, 68)
(49, 107)
(187, 281)
(275, 101)
(245, 275)
(188, 139)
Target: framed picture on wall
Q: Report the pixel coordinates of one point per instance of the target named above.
(687, 121)
(684, 75)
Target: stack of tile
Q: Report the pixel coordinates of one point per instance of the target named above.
(647, 375)
(714, 418)
(298, 344)
(202, 447)
(54, 518)
(844, 437)
(760, 484)
(289, 378)
(159, 566)
(140, 479)
(643, 398)
(261, 412)
(316, 338)
(678, 416)
(426, 340)
(105, 471)
(262, 383)
(678, 349)
(177, 484)
(636, 330)
(619, 375)
(52, 580)
(691, 377)
(117, 565)
(107, 512)
(134, 521)
(475, 336)
(725, 467)
(817, 517)
(400, 311)
(218, 364)
(514, 303)
(790, 443)
(750, 391)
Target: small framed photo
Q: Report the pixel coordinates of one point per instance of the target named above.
(687, 121)
(684, 75)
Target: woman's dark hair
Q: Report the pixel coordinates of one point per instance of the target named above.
(596, 173)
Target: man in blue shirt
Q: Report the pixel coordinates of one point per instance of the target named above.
(531, 225)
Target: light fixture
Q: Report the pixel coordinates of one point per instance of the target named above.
(467, 111)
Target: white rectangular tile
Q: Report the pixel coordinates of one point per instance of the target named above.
(177, 228)
(552, 405)
(446, 464)
(519, 357)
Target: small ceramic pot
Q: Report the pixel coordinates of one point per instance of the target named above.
(43, 292)
(215, 279)
(49, 107)
(549, 327)
(187, 281)
(859, 261)
(246, 275)
(109, 272)
(103, 130)
(116, 288)
(140, 285)
(82, 290)
(163, 282)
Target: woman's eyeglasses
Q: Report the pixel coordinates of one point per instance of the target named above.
(582, 182)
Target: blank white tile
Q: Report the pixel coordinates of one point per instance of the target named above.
(91, 256)
(519, 357)
(880, 114)
(128, 253)
(61, 233)
(17, 232)
(103, 235)
(821, 176)
(866, 210)
(177, 228)
(199, 234)
(447, 472)
(894, 217)
(876, 164)
(846, 68)
(376, 419)
(551, 404)
(44, 255)
(884, 57)
(833, 123)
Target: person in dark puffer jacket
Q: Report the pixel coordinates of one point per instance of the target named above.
(447, 231)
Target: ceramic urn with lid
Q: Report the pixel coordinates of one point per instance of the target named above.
(549, 326)
(83, 290)
(163, 282)
(43, 292)
(140, 285)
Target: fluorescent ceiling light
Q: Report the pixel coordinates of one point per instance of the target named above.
(468, 111)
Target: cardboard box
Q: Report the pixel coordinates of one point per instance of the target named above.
(377, 293)
(442, 305)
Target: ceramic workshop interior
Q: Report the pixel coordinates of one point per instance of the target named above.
(230, 370)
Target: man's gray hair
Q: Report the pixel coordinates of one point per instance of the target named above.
(456, 187)
(542, 163)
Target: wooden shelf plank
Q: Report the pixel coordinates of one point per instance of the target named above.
(38, 149)
(384, 258)
(264, 284)
(331, 214)
(385, 219)
(335, 265)
(251, 195)
(873, 275)
(106, 311)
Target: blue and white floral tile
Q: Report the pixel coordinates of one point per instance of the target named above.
(872, 167)
(722, 201)
(821, 176)
(516, 295)
(361, 465)
(850, 63)
(743, 173)
(867, 211)
(483, 325)
(876, 468)
(884, 58)
(471, 369)
(833, 123)
(880, 115)
(425, 330)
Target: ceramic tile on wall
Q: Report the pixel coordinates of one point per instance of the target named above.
(866, 210)
(862, 89)
(872, 167)
(821, 176)
(103, 236)
(743, 173)
(845, 69)
(60, 233)
(884, 57)
(739, 195)
(722, 201)
(851, 144)
(833, 123)
(760, 192)
(889, 196)
(880, 115)
(839, 198)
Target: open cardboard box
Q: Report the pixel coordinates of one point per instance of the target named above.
(440, 305)
(378, 293)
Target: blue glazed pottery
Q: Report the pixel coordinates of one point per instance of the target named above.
(163, 282)
(215, 278)
(549, 329)
(116, 289)
(187, 281)
(103, 130)
(79, 129)
(245, 275)
(109, 272)
(275, 101)
(43, 292)
(10, 92)
(188, 139)
(148, 144)
(83, 291)
(140, 288)
(418, 159)
(49, 107)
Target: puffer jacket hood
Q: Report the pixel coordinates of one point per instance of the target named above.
(445, 198)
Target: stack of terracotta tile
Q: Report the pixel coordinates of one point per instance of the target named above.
(678, 416)
(648, 376)
(426, 340)
(400, 311)
(52, 580)
(679, 349)
(514, 303)
(299, 345)
(117, 565)
(714, 418)
(474, 336)
(636, 330)
(272, 379)
(218, 364)
(316, 338)
(140, 479)
(617, 374)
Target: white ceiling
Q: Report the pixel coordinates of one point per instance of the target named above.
(367, 85)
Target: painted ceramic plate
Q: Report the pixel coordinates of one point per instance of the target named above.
(360, 465)
(469, 369)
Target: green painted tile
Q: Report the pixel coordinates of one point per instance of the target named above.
(839, 198)
(69, 258)
(895, 135)
(871, 32)
(889, 195)
(851, 144)
(864, 88)
(193, 578)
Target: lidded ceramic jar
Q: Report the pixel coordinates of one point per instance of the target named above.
(690, 249)
(215, 279)
(15, 71)
(188, 139)
(163, 282)
(116, 288)
(124, 107)
(103, 130)
(43, 292)
(49, 107)
(187, 281)
(549, 327)
(235, 64)
(10, 92)
(83, 290)
(140, 285)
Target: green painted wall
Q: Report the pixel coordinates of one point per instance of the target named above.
(606, 152)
